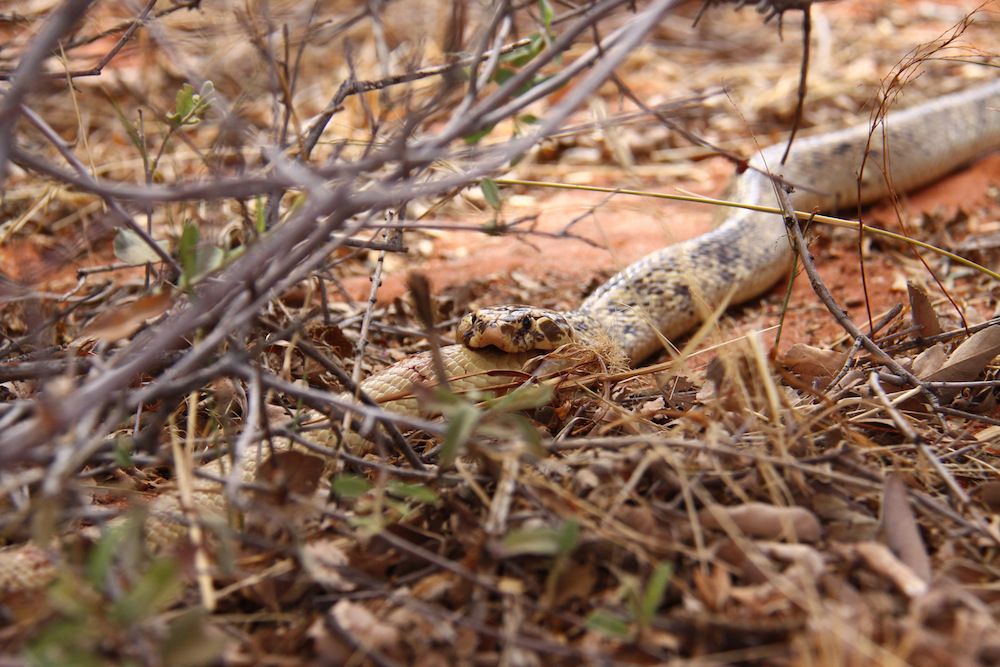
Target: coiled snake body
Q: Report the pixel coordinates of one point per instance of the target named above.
(669, 289)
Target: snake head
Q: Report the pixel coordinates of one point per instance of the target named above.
(515, 329)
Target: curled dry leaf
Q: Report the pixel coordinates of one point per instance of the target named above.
(813, 363)
(118, 323)
(713, 587)
(880, 560)
(806, 557)
(363, 625)
(323, 560)
(296, 471)
(989, 495)
(763, 521)
(900, 530)
(925, 320)
(347, 628)
(131, 249)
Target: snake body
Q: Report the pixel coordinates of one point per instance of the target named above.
(665, 293)
(669, 291)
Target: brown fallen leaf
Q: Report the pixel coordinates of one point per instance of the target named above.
(119, 323)
(969, 359)
(930, 360)
(880, 560)
(763, 521)
(813, 363)
(294, 471)
(900, 530)
(325, 561)
(922, 312)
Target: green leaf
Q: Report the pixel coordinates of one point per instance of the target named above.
(542, 541)
(608, 624)
(475, 137)
(103, 553)
(652, 596)
(491, 192)
(416, 492)
(184, 104)
(188, 250)
(568, 537)
(189, 106)
(350, 487)
(503, 74)
(523, 55)
(461, 425)
(159, 587)
(525, 397)
(546, 9)
(260, 216)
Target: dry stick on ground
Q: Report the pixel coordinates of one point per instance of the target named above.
(799, 244)
(856, 346)
(366, 320)
(916, 439)
(344, 379)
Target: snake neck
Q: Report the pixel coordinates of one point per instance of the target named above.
(668, 292)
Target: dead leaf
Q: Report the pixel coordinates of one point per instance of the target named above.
(989, 495)
(813, 363)
(930, 360)
(880, 560)
(334, 337)
(295, 471)
(576, 583)
(900, 530)
(131, 249)
(969, 359)
(348, 619)
(922, 312)
(122, 322)
(363, 626)
(763, 521)
(323, 560)
(714, 587)
(808, 560)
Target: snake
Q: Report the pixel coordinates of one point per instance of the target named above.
(655, 299)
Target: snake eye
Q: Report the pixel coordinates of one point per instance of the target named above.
(526, 322)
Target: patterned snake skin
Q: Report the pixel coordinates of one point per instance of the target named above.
(673, 288)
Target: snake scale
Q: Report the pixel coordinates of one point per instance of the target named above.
(669, 289)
